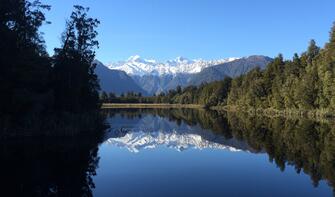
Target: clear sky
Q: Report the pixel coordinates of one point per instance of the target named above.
(208, 29)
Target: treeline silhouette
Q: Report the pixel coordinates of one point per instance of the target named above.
(207, 94)
(129, 97)
(39, 92)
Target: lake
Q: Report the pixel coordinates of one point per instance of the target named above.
(177, 152)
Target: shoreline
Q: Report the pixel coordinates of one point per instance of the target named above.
(309, 114)
(316, 114)
(149, 105)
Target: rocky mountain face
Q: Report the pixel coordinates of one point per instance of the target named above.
(151, 77)
(136, 66)
(231, 69)
(116, 81)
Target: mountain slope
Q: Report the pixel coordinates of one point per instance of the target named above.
(151, 77)
(116, 81)
(153, 83)
(155, 77)
(231, 69)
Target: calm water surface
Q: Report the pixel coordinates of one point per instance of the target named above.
(179, 153)
(197, 153)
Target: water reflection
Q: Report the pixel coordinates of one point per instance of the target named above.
(307, 145)
(49, 167)
(69, 167)
(153, 130)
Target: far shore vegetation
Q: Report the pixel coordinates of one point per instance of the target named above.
(301, 86)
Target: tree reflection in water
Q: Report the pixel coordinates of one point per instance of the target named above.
(50, 167)
(307, 145)
(65, 167)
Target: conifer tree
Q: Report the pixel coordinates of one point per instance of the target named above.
(24, 63)
(75, 83)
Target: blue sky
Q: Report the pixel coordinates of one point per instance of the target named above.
(208, 29)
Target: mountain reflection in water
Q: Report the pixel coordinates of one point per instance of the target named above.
(151, 131)
(149, 148)
(307, 145)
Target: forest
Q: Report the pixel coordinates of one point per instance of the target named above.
(42, 92)
(301, 85)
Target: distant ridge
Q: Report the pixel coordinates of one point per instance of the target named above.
(116, 81)
(150, 77)
(231, 69)
(136, 66)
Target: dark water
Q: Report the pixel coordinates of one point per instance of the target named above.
(177, 153)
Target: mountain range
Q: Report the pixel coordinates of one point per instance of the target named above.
(136, 66)
(151, 77)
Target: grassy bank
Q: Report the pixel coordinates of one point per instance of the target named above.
(149, 105)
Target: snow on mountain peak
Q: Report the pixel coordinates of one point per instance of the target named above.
(136, 141)
(181, 59)
(135, 65)
(134, 58)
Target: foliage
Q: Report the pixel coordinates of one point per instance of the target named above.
(24, 63)
(35, 87)
(303, 83)
(74, 81)
(211, 94)
(129, 97)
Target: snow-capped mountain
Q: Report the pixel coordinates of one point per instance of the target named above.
(135, 65)
(153, 77)
(150, 131)
(136, 141)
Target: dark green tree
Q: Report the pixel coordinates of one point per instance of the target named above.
(24, 63)
(75, 83)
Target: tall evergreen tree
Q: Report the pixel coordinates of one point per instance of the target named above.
(75, 83)
(24, 63)
(326, 70)
(312, 51)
